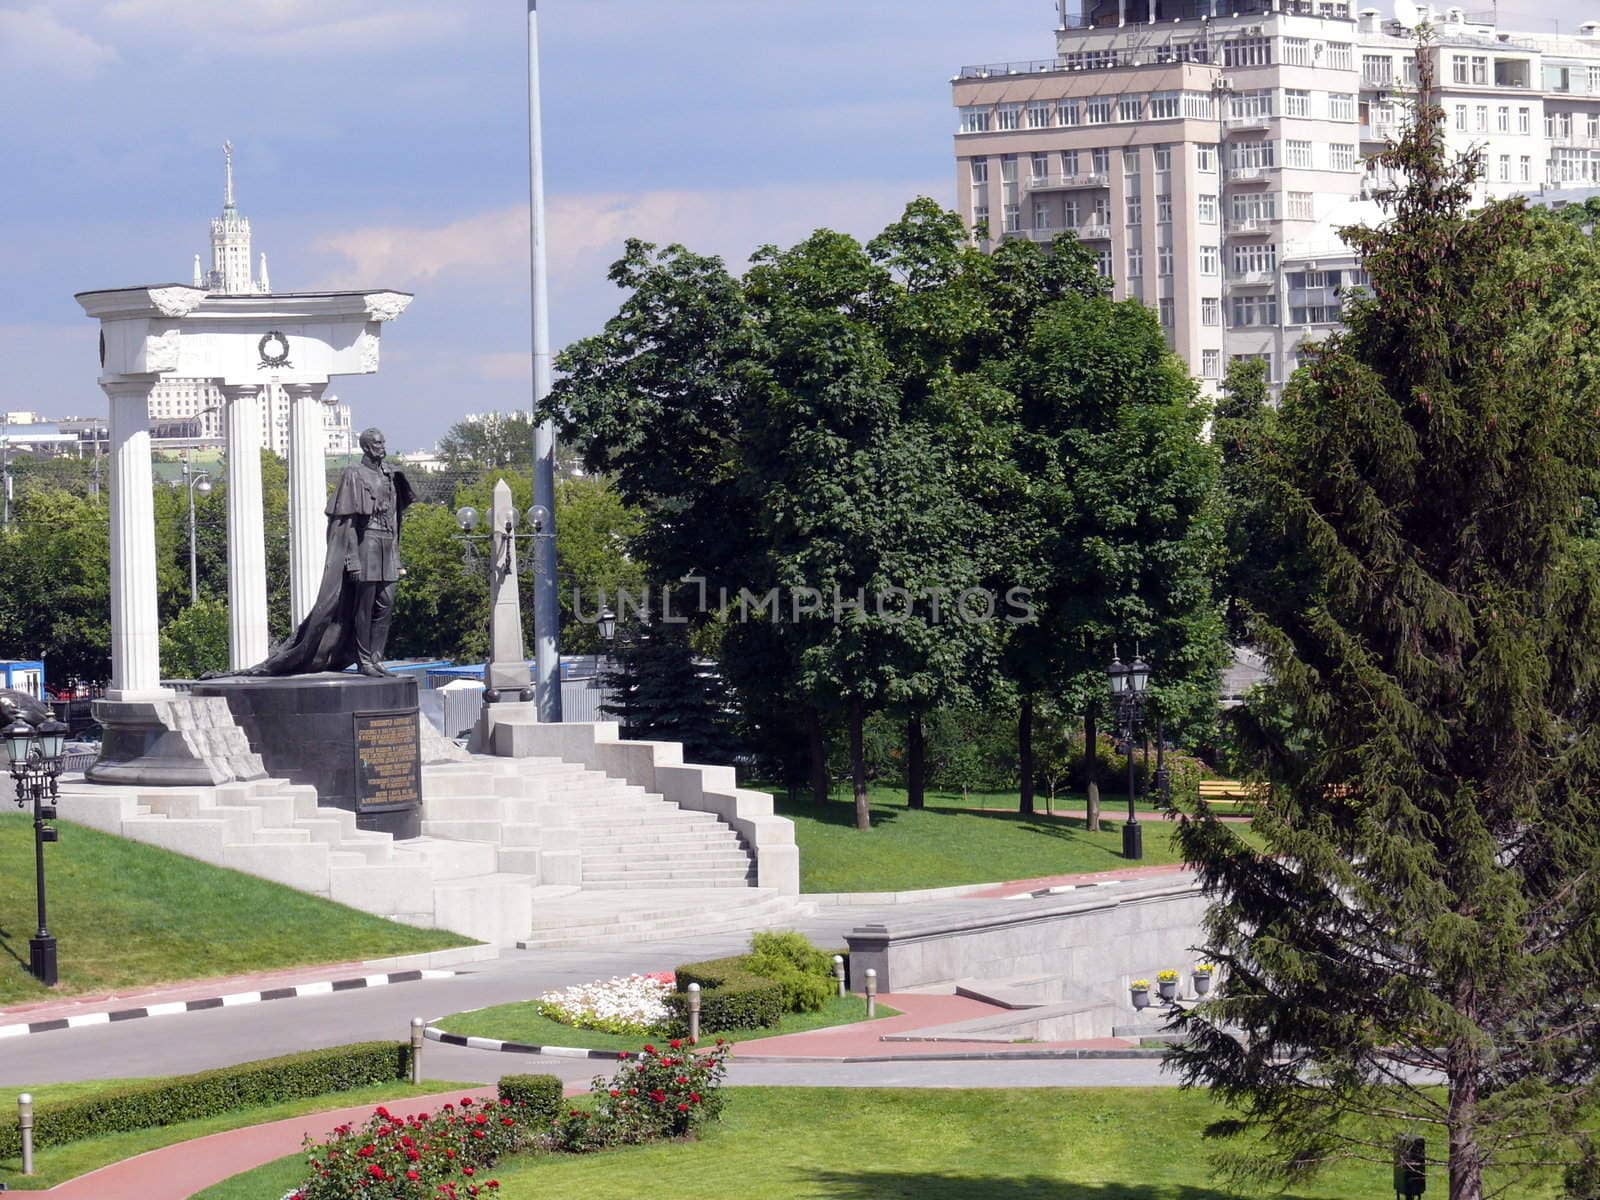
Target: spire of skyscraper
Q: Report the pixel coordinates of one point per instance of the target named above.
(227, 191)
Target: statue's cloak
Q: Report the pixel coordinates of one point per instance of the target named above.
(326, 639)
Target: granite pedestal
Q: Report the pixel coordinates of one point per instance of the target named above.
(353, 738)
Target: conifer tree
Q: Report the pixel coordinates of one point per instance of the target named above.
(1416, 947)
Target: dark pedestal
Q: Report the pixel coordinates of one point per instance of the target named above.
(354, 739)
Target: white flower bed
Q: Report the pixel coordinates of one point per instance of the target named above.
(636, 1004)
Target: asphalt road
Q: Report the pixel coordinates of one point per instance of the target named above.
(218, 1037)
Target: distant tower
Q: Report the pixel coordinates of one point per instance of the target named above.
(230, 244)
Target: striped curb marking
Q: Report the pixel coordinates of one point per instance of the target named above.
(237, 1000)
(477, 1043)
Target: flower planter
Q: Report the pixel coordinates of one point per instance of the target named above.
(1169, 989)
(1202, 984)
(1141, 997)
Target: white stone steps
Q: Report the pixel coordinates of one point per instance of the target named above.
(464, 831)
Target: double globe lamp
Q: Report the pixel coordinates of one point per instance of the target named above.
(36, 756)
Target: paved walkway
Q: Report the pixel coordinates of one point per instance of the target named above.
(178, 1172)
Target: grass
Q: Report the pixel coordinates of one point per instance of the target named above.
(60, 1163)
(951, 842)
(933, 1144)
(129, 915)
(523, 1023)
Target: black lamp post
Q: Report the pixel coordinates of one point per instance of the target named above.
(36, 761)
(1129, 684)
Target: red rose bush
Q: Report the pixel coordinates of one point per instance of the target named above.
(659, 1094)
(445, 1155)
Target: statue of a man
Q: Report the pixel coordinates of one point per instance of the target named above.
(349, 623)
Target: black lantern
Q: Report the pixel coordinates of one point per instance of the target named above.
(19, 743)
(1138, 676)
(607, 624)
(1130, 683)
(36, 762)
(52, 744)
(1118, 675)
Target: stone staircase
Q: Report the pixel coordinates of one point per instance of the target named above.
(276, 830)
(590, 918)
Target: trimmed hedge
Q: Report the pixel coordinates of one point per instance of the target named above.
(163, 1102)
(540, 1096)
(731, 997)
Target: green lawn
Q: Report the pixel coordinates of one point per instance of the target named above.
(522, 1023)
(130, 915)
(951, 842)
(860, 1144)
(61, 1163)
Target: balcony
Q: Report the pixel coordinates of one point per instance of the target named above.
(1261, 278)
(1062, 183)
(1250, 121)
(1251, 174)
(1576, 140)
(1244, 226)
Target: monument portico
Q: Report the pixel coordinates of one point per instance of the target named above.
(298, 341)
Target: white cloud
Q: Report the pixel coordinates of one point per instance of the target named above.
(586, 232)
(36, 39)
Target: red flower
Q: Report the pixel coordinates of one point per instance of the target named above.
(507, 1122)
(694, 1097)
(683, 1108)
(413, 1176)
(677, 1043)
(383, 1112)
(659, 1097)
(375, 1171)
(466, 1102)
(366, 1151)
(468, 1172)
(478, 1133)
(622, 1056)
(615, 1093)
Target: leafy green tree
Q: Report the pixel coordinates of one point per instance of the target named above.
(1242, 430)
(492, 441)
(55, 596)
(1412, 946)
(195, 642)
(662, 690)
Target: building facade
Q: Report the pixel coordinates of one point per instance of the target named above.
(193, 408)
(1207, 151)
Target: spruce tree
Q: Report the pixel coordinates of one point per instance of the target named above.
(1414, 948)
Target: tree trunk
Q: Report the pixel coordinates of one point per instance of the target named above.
(1466, 1158)
(1091, 765)
(1025, 754)
(916, 763)
(858, 764)
(817, 747)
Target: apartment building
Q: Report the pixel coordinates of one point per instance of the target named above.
(1208, 151)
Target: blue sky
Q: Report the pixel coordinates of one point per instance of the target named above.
(382, 143)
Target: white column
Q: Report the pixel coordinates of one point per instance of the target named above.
(308, 497)
(247, 544)
(135, 622)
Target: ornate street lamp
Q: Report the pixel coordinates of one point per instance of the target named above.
(607, 624)
(1130, 684)
(36, 762)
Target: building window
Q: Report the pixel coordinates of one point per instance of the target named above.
(1098, 111)
(1480, 69)
(975, 120)
(1297, 52)
(1102, 264)
(1254, 311)
(1341, 56)
(1458, 68)
(1163, 210)
(1101, 159)
(1069, 209)
(1067, 112)
(1039, 168)
(1341, 106)
(1135, 207)
(1527, 169)
(1069, 162)
(1341, 156)
(1377, 69)
(1296, 153)
(1524, 120)
(1130, 108)
(1252, 260)
(1254, 104)
(1594, 81)
(1205, 158)
(1041, 214)
(1164, 106)
(1013, 218)
(1210, 310)
(1482, 116)
(1130, 164)
(1505, 168)
(1247, 155)
(1199, 105)
(1135, 262)
(1039, 115)
(1296, 102)
(1164, 261)
(1247, 52)
(1210, 363)
(1461, 118)
(1208, 260)
(1163, 157)
(1253, 206)
(1208, 209)
(1300, 206)
(1165, 312)
(1502, 119)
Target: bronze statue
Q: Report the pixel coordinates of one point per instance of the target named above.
(349, 623)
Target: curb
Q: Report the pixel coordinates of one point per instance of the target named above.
(236, 1000)
(434, 1034)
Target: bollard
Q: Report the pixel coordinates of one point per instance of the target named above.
(872, 993)
(838, 972)
(417, 1027)
(694, 1012)
(25, 1124)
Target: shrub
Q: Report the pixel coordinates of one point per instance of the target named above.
(227, 1089)
(420, 1157)
(731, 996)
(660, 1094)
(538, 1097)
(789, 960)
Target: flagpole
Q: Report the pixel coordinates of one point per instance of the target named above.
(546, 598)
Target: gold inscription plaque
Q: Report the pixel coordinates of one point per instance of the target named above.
(388, 761)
